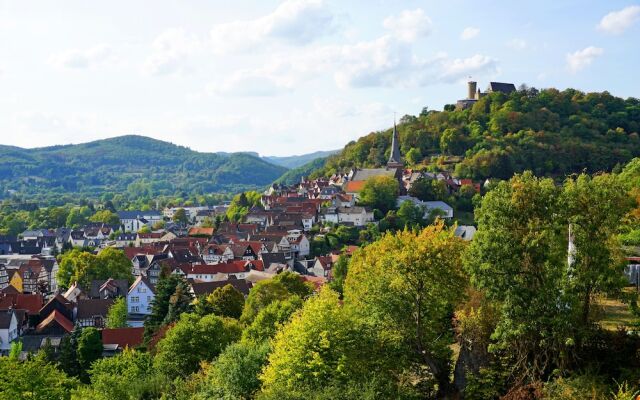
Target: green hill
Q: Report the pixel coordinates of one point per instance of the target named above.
(550, 132)
(134, 164)
(299, 161)
(294, 175)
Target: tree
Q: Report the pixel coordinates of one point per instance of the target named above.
(380, 192)
(518, 258)
(144, 229)
(406, 285)
(323, 345)
(234, 374)
(410, 214)
(83, 267)
(162, 303)
(131, 366)
(261, 295)
(226, 301)
(595, 206)
(33, 379)
(180, 216)
(117, 315)
(89, 349)
(78, 216)
(271, 318)
(339, 272)
(294, 284)
(192, 340)
(106, 217)
(414, 156)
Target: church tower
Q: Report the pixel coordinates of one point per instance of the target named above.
(395, 161)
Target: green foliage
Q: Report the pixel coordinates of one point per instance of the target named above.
(226, 301)
(89, 349)
(83, 267)
(192, 340)
(406, 285)
(323, 345)
(234, 375)
(117, 315)
(380, 192)
(294, 175)
(519, 258)
(15, 350)
(280, 287)
(137, 166)
(241, 204)
(271, 318)
(180, 216)
(128, 375)
(339, 271)
(33, 379)
(161, 305)
(105, 216)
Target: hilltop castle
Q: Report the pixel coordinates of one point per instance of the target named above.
(474, 95)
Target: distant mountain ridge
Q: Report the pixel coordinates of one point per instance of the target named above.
(129, 164)
(299, 160)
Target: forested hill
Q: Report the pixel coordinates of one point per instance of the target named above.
(550, 132)
(138, 165)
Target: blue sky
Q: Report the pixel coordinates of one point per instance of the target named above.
(287, 77)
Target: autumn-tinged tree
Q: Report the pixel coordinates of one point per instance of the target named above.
(324, 345)
(406, 285)
(180, 215)
(83, 267)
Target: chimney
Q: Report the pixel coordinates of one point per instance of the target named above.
(472, 89)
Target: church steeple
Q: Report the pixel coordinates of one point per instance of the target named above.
(395, 161)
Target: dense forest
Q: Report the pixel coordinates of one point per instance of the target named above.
(550, 132)
(136, 165)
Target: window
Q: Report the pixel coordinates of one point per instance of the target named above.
(135, 299)
(148, 299)
(135, 309)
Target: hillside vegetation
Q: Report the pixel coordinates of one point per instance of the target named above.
(300, 160)
(549, 132)
(135, 164)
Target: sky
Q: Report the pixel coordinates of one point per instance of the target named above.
(287, 77)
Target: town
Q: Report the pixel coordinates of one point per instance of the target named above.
(275, 236)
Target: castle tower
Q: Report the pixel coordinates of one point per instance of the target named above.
(395, 161)
(471, 86)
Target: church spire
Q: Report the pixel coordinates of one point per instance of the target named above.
(395, 161)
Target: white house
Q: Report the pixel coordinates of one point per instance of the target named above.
(139, 300)
(8, 329)
(358, 216)
(132, 221)
(445, 209)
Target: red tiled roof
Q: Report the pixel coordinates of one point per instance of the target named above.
(222, 268)
(354, 186)
(201, 231)
(130, 252)
(57, 317)
(123, 337)
(30, 302)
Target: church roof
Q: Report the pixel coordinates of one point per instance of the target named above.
(394, 157)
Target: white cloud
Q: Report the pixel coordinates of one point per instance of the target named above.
(517, 44)
(469, 33)
(617, 22)
(251, 83)
(460, 68)
(582, 58)
(409, 25)
(82, 59)
(171, 50)
(294, 22)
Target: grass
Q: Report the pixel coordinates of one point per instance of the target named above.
(616, 313)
